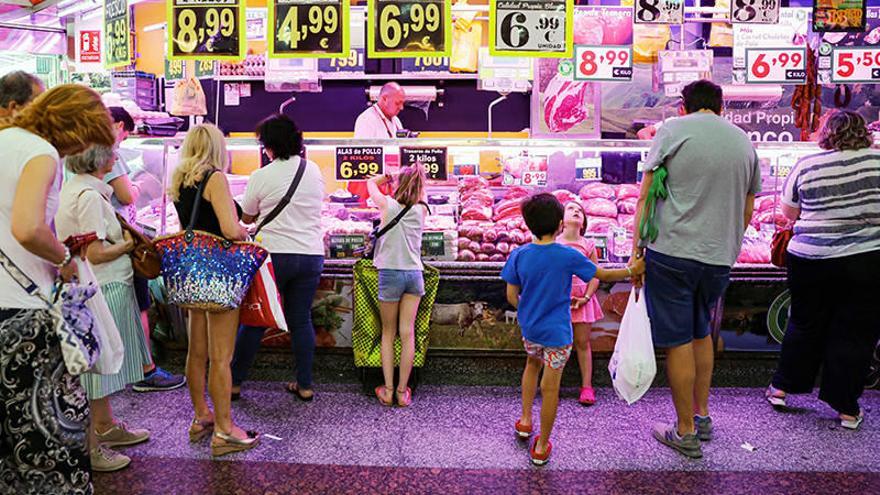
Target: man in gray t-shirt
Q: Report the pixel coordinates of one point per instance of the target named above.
(713, 176)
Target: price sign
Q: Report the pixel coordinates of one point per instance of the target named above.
(658, 11)
(464, 170)
(531, 28)
(424, 64)
(588, 169)
(755, 11)
(781, 170)
(309, 28)
(603, 63)
(433, 159)
(358, 163)
(205, 68)
(776, 65)
(346, 246)
(409, 28)
(535, 178)
(838, 16)
(175, 70)
(855, 64)
(117, 34)
(353, 63)
(433, 244)
(206, 29)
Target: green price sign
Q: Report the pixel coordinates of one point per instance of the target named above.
(205, 69)
(117, 34)
(346, 246)
(433, 244)
(206, 29)
(175, 70)
(409, 28)
(309, 28)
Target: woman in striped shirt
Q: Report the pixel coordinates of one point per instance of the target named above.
(833, 269)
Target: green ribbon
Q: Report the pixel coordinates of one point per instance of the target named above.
(648, 230)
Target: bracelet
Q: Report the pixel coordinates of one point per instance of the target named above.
(629, 271)
(67, 258)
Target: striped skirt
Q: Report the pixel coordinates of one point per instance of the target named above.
(123, 305)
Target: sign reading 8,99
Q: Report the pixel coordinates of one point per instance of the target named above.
(409, 28)
(206, 29)
(116, 33)
(309, 28)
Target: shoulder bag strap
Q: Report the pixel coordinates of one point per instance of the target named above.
(198, 201)
(286, 199)
(26, 283)
(393, 223)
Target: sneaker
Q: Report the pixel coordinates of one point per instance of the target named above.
(687, 445)
(705, 429)
(775, 397)
(853, 424)
(588, 396)
(105, 460)
(540, 459)
(121, 436)
(159, 380)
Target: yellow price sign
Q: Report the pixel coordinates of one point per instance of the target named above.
(309, 28)
(117, 34)
(209, 30)
(358, 163)
(409, 28)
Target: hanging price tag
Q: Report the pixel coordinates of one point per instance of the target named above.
(175, 70)
(776, 65)
(117, 34)
(588, 169)
(755, 11)
(658, 11)
(309, 28)
(855, 64)
(353, 63)
(358, 163)
(206, 29)
(839, 16)
(536, 178)
(419, 65)
(531, 28)
(433, 159)
(603, 63)
(409, 28)
(205, 69)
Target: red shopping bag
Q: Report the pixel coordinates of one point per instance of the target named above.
(261, 306)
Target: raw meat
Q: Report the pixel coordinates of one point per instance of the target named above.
(466, 255)
(477, 213)
(482, 257)
(565, 104)
(626, 221)
(627, 206)
(473, 183)
(766, 203)
(463, 243)
(497, 257)
(488, 248)
(597, 190)
(517, 193)
(628, 191)
(754, 252)
(503, 248)
(564, 196)
(600, 225)
(490, 235)
(599, 207)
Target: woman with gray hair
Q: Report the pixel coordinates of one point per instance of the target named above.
(84, 208)
(834, 200)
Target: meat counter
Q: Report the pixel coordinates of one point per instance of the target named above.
(475, 223)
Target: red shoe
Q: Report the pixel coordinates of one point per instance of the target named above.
(588, 396)
(540, 459)
(523, 432)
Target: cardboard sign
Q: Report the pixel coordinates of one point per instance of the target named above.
(531, 28)
(409, 28)
(117, 34)
(358, 163)
(603, 63)
(309, 28)
(776, 65)
(433, 159)
(207, 30)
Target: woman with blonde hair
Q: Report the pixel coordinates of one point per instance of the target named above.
(398, 257)
(43, 409)
(211, 334)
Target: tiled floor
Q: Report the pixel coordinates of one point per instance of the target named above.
(458, 439)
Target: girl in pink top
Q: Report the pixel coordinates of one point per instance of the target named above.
(585, 308)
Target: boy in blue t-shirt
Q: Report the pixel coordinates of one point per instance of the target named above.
(538, 277)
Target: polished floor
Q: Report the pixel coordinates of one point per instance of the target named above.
(458, 439)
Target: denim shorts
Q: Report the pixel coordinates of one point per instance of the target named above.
(393, 284)
(681, 295)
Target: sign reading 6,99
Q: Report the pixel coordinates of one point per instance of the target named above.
(358, 163)
(309, 28)
(116, 33)
(409, 28)
(206, 29)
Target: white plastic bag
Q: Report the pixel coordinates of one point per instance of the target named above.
(633, 364)
(110, 344)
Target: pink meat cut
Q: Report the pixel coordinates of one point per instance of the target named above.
(565, 104)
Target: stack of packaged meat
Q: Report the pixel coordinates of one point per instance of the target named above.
(490, 235)
(609, 206)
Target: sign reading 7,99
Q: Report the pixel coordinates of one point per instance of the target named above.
(359, 163)
(308, 28)
(409, 28)
(206, 29)
(116, 33)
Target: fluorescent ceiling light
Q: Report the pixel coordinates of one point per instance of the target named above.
(80, 7)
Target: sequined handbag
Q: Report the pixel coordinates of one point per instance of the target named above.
(204, 271)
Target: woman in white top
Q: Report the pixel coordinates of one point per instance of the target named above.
(296, 241)
(398, 257)
(85, 207)
(43, 408)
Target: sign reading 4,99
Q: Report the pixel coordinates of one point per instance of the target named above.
(206, 29)
(359, 163)
(409, 28)
(116, 33)
(309, 28)
(531, 28)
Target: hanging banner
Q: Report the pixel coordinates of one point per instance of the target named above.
(206, 29)
(531, 28)
(838, 16)
(117, 34)
(755, 11)
(409, 28)
(658, 11)
(309, 28)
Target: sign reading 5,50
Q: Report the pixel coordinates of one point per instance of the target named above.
(855, 64)
(116, 33)
(309, 28)
(531, 28)
(358, 163)
(409, 28)
(206, 29)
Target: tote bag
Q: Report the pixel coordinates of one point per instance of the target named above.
(109, 360)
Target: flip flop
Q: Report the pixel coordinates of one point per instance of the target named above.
(381, 397)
